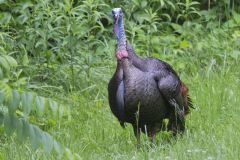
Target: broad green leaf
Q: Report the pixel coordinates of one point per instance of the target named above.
(68, 154)
(11, 61)
(5, 17)
(235, 54)
(177, 27)
(140, 16)
(40, 103)
(61, 110)
(1, 73)
(26, 129)
(167, 16)
(22, 18)
(194, 3)
(48, 142)
(36, 137)
(53, 106)
(58, 147)
(14, 102)
(19, 131)
(171, 4)
(184, 44)
(48, 54)
(144, 3)
(77, 157)
(7, 90)
(27, 102)
(25, 60)
(20, 82)
(32, 136)
(4, 63)
(10, 124)
(2, 1)
(1, 118)
(1, 96)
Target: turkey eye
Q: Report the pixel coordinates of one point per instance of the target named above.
(112, 12)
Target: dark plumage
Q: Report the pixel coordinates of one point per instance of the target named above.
(143, 92)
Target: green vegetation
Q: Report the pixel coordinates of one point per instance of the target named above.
(56, 58)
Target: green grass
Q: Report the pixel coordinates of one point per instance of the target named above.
(65, 53)
(93, 132)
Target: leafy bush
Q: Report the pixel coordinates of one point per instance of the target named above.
(49, 49)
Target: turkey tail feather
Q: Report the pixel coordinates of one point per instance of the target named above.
(187, 99)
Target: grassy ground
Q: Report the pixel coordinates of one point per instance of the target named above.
(93, 132)
(67, 53)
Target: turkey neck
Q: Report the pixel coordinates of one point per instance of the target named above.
(120, 33)
(122, 44)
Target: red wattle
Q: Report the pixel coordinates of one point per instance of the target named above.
(121, 54)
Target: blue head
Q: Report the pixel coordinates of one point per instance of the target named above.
(118, 24)
(117, 15)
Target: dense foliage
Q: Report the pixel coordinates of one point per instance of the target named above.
(56, 56)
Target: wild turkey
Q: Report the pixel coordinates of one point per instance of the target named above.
(143, 92)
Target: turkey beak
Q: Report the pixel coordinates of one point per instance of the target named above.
(116, 18)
